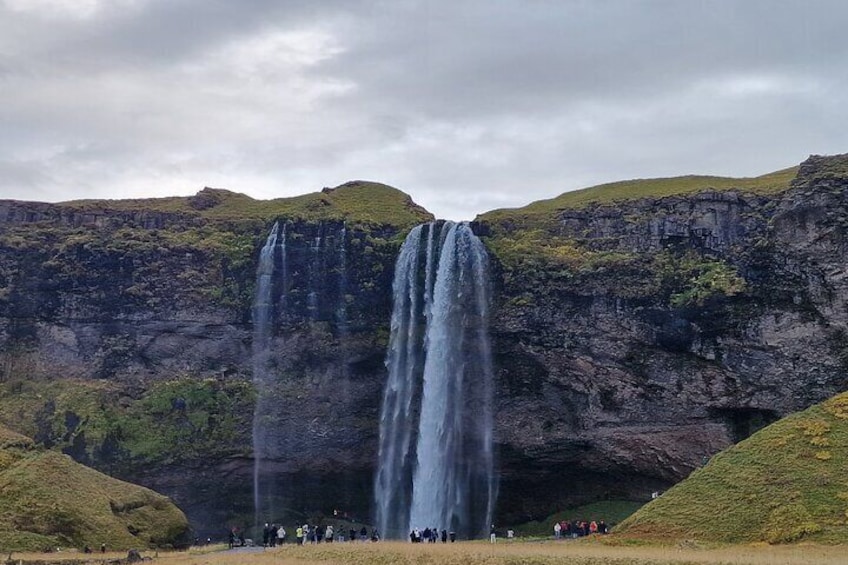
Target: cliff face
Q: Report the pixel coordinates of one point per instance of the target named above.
(125, 340)
(632, 338)
(650, 334)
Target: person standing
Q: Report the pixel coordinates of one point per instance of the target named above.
(493, 536)
(557, 530)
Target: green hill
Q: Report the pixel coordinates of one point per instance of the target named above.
(542, 212)
(47, 500)
(788, 482)
(360, 202)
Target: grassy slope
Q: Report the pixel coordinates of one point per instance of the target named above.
(785, 483)
(540, 212)
(48, 500)
(359, 202)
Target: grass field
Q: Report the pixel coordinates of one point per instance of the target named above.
(586, 552)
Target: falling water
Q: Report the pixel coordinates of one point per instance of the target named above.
(394, 475)
(263, 314)
(315, 273)
(341, 311)
(436, 463)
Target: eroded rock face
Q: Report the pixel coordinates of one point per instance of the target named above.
(615, 377)
(152, 328)
(611, 390)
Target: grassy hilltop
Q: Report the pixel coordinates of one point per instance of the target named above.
(47, 501)
(786, 483)
(360, 202)
(542, 212)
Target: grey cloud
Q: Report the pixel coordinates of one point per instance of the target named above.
(467, 105)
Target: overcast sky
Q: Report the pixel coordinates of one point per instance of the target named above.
(466, 105)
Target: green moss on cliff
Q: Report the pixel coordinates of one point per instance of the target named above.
(49, 501)
(185, 419)
(532, 257)
(785, 483)
(690, 279)
(197, 264)
(117, 427)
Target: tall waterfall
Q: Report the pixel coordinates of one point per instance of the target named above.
(263, 315)
(436, 462)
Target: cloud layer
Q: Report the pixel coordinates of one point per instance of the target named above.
(468, 105)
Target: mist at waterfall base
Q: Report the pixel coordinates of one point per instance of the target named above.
(290, 277)
(436, 460)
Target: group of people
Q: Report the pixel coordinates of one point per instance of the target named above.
(579, 528)
(274, 535)
(431, 535)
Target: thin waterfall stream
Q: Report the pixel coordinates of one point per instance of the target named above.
(263, 315)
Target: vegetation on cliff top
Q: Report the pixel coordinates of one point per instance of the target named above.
(50, 501)
(531, 242)
(360, 202)
(543, 212)
(785, 483)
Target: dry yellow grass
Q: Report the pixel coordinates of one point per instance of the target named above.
(482, 553)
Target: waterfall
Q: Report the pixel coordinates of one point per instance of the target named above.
(263, 315)
(436, 461)
(316, 272)
(341, 311)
